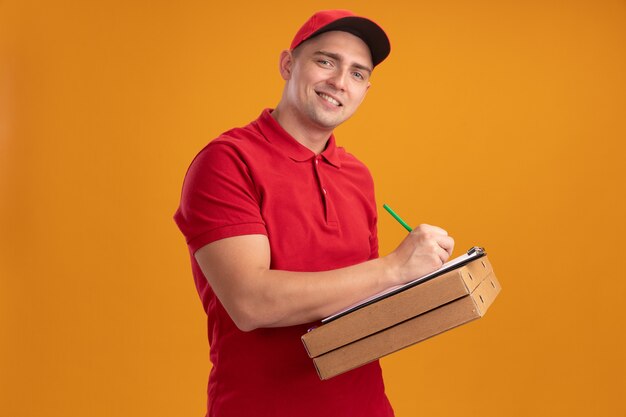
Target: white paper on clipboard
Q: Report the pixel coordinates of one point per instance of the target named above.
(473, 253)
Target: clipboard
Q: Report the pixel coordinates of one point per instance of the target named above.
(472, 254)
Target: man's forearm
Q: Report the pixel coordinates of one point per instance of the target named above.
(286, 298)
(256, 296)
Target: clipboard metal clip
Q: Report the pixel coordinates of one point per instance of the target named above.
(476, 249)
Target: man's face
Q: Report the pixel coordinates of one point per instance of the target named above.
(329, 78)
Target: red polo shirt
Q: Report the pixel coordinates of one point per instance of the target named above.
(318, 213)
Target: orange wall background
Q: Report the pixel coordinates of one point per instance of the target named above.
(503, 122)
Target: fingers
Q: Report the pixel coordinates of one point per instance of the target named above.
(424, 250)
(437, 238)
(446, 243)
(442, 254)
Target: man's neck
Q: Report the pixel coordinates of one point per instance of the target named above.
(308, 134)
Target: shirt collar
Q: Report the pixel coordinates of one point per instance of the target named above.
(276, 135)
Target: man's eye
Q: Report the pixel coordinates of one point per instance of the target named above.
(324, 62)
(358, 75)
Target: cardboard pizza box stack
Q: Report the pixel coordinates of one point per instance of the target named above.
(403, 319)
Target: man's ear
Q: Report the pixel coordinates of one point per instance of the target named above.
(285, 64)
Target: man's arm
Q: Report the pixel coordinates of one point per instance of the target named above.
(255, 296)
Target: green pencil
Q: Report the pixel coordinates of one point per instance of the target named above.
(395, 216)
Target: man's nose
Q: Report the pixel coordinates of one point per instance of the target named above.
(338, 79)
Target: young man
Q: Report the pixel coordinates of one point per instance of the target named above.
(281, 228)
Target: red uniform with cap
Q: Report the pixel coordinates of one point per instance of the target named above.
(318, 213)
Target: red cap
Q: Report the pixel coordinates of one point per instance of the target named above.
(344, 20)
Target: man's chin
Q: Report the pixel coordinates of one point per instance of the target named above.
(329, 121)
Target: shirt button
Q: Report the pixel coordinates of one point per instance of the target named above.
(324, 190)
(317, 161)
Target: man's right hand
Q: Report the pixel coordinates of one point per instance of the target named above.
(424, 250)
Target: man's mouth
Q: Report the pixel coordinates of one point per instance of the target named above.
(329, 99)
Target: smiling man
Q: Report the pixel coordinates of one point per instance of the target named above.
(327, 79)
(281, 228)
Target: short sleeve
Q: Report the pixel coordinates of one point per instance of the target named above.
(219, 198)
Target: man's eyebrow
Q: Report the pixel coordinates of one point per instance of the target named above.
(338, 57)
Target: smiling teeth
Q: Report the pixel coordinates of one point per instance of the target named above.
(329, 99)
